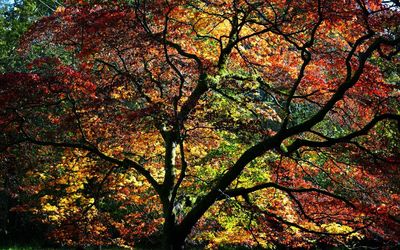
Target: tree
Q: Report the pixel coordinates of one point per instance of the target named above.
(15, 19)
(286, 110)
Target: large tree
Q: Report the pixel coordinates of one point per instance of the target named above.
(285, 111)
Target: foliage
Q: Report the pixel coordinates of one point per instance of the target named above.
(257, 123)
(15, 19)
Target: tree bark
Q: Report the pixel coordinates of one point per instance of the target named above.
(172, 239)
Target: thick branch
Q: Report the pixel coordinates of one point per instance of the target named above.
(332, 141)
(246, 191)
(180, 50)
(187, 107)
(183, 170)
(204, 203)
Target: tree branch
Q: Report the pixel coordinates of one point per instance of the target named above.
(124, 163)
(342, 89)
(332, 141)
(246, 191)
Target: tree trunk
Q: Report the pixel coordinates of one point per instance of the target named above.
(173, 239)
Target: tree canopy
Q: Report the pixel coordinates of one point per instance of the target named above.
(245, 122)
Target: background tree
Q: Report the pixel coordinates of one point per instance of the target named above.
(265, 122)
(15, 19)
